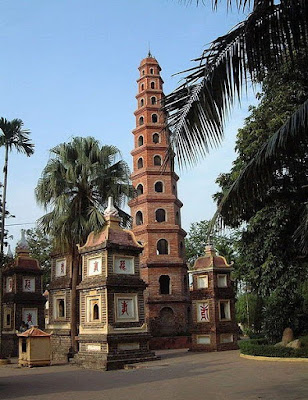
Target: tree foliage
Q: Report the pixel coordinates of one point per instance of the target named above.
(198, 238)
(271, 261)
(272, 34)
(40, 249)
(76, 184)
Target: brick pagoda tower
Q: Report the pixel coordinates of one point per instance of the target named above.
(156, 211)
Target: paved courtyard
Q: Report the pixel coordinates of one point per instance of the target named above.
(178, 375)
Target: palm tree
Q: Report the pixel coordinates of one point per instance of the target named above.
(12, 135)
(75, 185)
(273, 32)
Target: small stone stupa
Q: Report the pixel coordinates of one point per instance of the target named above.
(112, 330)
(213, 304)
(23, 302)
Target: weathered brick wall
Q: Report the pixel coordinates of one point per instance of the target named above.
(60, 346)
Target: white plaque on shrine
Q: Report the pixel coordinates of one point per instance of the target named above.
(9, 284)
(95, 266)
(203, 282)
(61, 267)
(29, 316)
(126, 308)
(124, 265)
(203, 311)
(28, 284)
(94, 347)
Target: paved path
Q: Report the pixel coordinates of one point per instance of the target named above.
(179, 375)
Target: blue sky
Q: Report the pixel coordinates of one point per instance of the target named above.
(69, 68)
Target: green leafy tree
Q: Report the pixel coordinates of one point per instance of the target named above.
(248, 309)
(75, 186)
(271, 36)
(197, 239)
(40, 249)
(270, 200)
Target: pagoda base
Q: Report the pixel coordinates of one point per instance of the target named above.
(109, 352)
(213, 342)
(170, 342)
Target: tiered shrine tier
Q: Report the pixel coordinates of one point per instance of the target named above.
(156, 209)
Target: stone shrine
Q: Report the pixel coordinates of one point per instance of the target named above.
(23, 300)
(112, 331)
(213, 304)
(156, 212)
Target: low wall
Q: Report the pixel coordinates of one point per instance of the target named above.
(170, 342)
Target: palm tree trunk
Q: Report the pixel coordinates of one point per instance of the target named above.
(2, 241)
(75, 266)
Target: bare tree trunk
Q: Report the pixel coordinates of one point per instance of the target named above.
(2, 242)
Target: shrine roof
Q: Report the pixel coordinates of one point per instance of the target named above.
(23, 263)
(208, 261)
(33, 331)
(211, 259)
(110, 235)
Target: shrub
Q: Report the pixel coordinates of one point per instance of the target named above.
(259, 348)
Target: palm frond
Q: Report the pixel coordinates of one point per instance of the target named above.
(259, 173)
(198, 108)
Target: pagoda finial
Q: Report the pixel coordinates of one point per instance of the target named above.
(209, 247)
(149, 52)
(23, 245)
(9, 253)
(111, 211)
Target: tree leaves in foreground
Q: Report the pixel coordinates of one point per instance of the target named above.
(271, 261)
(273, 32)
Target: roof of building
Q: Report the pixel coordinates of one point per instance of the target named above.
(111, 233)
(33, 331)
(211, 259)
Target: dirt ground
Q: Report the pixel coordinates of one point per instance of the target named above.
(179, 375)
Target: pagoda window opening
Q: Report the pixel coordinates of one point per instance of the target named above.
(181, 249)
(139, 189)
(141, 121)
(164, 284)
(142, 87)
(139, 218)
(162, 247)
(157, 160)
(141, 102)
(140, 163)
(152, 85)
(224, 310)
(151, 71)
(160, 215)
(61, 309)
(154, 118)
(155, 138)
(185, 284)
(153, 100)
(159, 187)
(177, 218)
(8, 319)
(143, 72)
(140, 141)
(95, 312)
